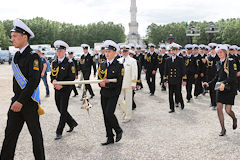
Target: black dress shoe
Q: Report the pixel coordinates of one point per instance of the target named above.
(58, 136)
(75, 95)
(171, 111)
(71, 128)
(188, 101)
(109, 141)
(182, 106)
(92, 96)
(119, 136)
(235, 124)
(151, 94)
(223, 133)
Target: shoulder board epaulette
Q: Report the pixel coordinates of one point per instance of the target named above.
(120, 60)
(230, 59)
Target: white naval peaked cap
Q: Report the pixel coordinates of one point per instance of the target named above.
(221, 46)
(183, 50)
(59, 44)
(151, 45)
(125, 47)
(21, 27)
(195, 46)
(207, 48)
(227, 45)
(110, 45)
(202, 46)
(188, 46)
(212, 45)
(131, 52)
(85, 46)
(233, 47)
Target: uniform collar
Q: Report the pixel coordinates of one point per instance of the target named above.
(110, 61)
(61, 60)
(222, 61)
(173, 58)
(21, 51)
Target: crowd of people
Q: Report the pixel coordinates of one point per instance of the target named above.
(213, 68)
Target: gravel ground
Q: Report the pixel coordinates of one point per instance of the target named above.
(152, 134)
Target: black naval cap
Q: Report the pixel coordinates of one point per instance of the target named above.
(71, 53)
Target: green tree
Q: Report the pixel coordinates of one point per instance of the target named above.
(4, 39)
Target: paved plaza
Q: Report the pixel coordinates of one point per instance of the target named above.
(153, 133)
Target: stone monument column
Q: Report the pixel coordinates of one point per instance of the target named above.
(133, 36)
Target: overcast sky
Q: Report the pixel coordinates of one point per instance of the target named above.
(118, 11)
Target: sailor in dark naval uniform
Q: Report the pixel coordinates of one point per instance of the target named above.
(225, 80)
(25, 102)
(233, 50)
(86, 62)
(191, 70)
(110, 69)
(70, 56)
(63, 69)
(162, 56)
(140, 60)
(174, 75)
(150, 68)
(101, 56)
(211, 70)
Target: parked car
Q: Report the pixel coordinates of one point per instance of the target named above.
(49, 55)
(4, 54)
(1, 60)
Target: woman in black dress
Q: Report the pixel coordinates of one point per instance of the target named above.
(226, 86)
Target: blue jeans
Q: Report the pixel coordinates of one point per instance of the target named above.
(44, 78)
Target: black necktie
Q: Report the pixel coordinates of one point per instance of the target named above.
(109, 64)
(123, 60)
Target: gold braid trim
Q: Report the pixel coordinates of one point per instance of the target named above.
(187, 62)
(54, 71)
(209, 63)
(102, 72)
(226, 69)
(148, 58)
(160, 60)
